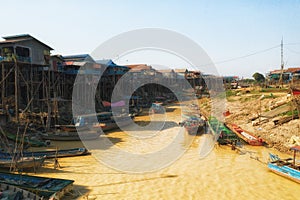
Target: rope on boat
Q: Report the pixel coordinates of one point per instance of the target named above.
(258, 159)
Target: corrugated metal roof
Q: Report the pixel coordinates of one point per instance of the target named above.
(293, 70)
(166, 70)
(295, 148)
(22, 37)
(140, 68)
(180, 70)
(106, 62)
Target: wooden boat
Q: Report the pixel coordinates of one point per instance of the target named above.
(156, 108)
(48, 188)
(295, 91)
(226, 136)
(193, 125)
(111, 125)
(71, 136)
(66, 128)
(52, 154)
(246, 135)
(22, 163)
(13, 192)
(106, 121)
(27, 141)
(287, 168)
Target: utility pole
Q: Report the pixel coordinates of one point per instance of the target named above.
(282, 65)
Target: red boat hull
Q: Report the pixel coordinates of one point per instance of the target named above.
(245, 135)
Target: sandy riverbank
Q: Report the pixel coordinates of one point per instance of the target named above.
(245, 106)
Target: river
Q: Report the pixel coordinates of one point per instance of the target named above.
(222, 174)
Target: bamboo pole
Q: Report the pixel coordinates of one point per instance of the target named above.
(48, 101)
(16, 91)
(31, 87)
(3, 85)
(294, 159)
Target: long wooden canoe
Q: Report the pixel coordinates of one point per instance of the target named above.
(13, 192)
(226, 136)
(245, 135)
(71, 136)
(22, 163)
(295, 91)
(51, 154)
(49, 188)
(287, 168)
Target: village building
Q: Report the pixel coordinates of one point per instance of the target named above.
(288, 75)
(24, 73)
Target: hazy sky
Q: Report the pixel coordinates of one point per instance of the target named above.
(225, 29)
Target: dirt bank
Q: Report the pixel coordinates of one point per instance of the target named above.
(245, 106)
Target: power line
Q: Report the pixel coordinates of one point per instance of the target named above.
(254, 53)
(248, 55)
(293, 51)
(245, 56)
(295, 43)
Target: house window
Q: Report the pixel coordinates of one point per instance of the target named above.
(22, 52)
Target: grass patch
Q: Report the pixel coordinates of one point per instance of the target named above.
(290, 113)
(230, 93)
(274, 90)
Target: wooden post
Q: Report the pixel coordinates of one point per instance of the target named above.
(259, 114)
(294, 159)
(48, 101)
(3, 86)
(31, 87)
(16, 92)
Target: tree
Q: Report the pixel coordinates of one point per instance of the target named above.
(258, 77)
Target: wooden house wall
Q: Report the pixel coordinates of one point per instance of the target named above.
(37, 51)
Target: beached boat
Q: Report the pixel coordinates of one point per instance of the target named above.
(48, 188)
(27, 141)
(51, 154)
(71, 136)
(156, 108)
(226, 136)
(66, 128)
(105, 120)
(246, 135)
(287, 168)
(22, 163)
(193, 125)
(13, 192)
(295, 91)
(111, 125)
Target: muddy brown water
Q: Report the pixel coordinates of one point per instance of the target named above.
(223, 174)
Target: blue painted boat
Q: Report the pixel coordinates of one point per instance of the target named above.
(51, 153)
(48, 188)
(22, 163)
(287, 168)
(13, 192)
